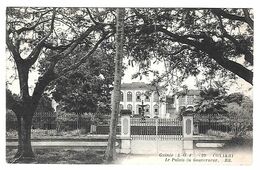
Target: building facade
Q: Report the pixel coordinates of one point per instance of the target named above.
(136, 95)
(187, 100)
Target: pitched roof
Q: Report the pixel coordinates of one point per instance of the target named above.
(191, 92)
(136, 85)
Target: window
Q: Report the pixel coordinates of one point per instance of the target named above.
(147, 109)
(121, 96)
(156, 109)
(129, 96)
(170, 100)
(190, 100)
(155, 97)
(147, 98)
(138, 109)
(182, 100)
(129, 107)
(138, 96)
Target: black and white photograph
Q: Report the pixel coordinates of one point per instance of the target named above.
(129, 85)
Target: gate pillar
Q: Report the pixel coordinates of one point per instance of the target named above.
(187, 130)
(125, 133)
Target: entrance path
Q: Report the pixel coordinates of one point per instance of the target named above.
(155, 147)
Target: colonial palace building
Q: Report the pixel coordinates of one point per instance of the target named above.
(136, 95)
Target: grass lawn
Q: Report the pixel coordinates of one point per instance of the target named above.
(41, 134)
(62, 156)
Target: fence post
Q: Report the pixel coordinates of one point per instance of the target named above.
(125, 133)
(93, 129)
(188, 130)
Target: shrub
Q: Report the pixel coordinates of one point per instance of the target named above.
(100, 118)
(218, 133)
(44, 120)
(238, 141)
(11, 120)
(10, 115)
(72, 121)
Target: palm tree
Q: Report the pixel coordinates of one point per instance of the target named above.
(111, 151)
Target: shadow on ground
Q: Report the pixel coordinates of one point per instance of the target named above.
(61, 156)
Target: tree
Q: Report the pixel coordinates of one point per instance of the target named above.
(10, 99)
(188, 39)
(211, 103)
(45, 104)
(87, 88)
(111, 150)
(47, 35)
(240, 113)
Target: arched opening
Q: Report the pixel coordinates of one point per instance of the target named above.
(138, 96)
(129, 107)
(121, 107)
(155, 97)
(121, 96)
(156, 109)
(129, 96)
(147, 109)
(147, 97)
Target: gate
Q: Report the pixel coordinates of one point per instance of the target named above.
(156, 135)
(156, 129)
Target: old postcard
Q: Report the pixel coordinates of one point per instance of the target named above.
(129, 85)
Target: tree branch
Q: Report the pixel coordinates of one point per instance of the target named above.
(59, 47)
(248, 18)
(23, 29)
(19, 31)
(234, 67)
(91, 17)
(50, 75)
(42, 83)
(182, 39)
(33, 56)
(224, 14)
(137, 13)
(102, 24)
(68, 51)
(208, 46)
(15, 53)
(184, 47)
(83, 59)
(240, 48)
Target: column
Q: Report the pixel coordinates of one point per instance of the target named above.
(125, 133)
(125, 98)
(133, 102)
(187, 130)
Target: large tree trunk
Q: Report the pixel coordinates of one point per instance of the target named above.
(25, 110)
(111, 150)
(24, 152)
